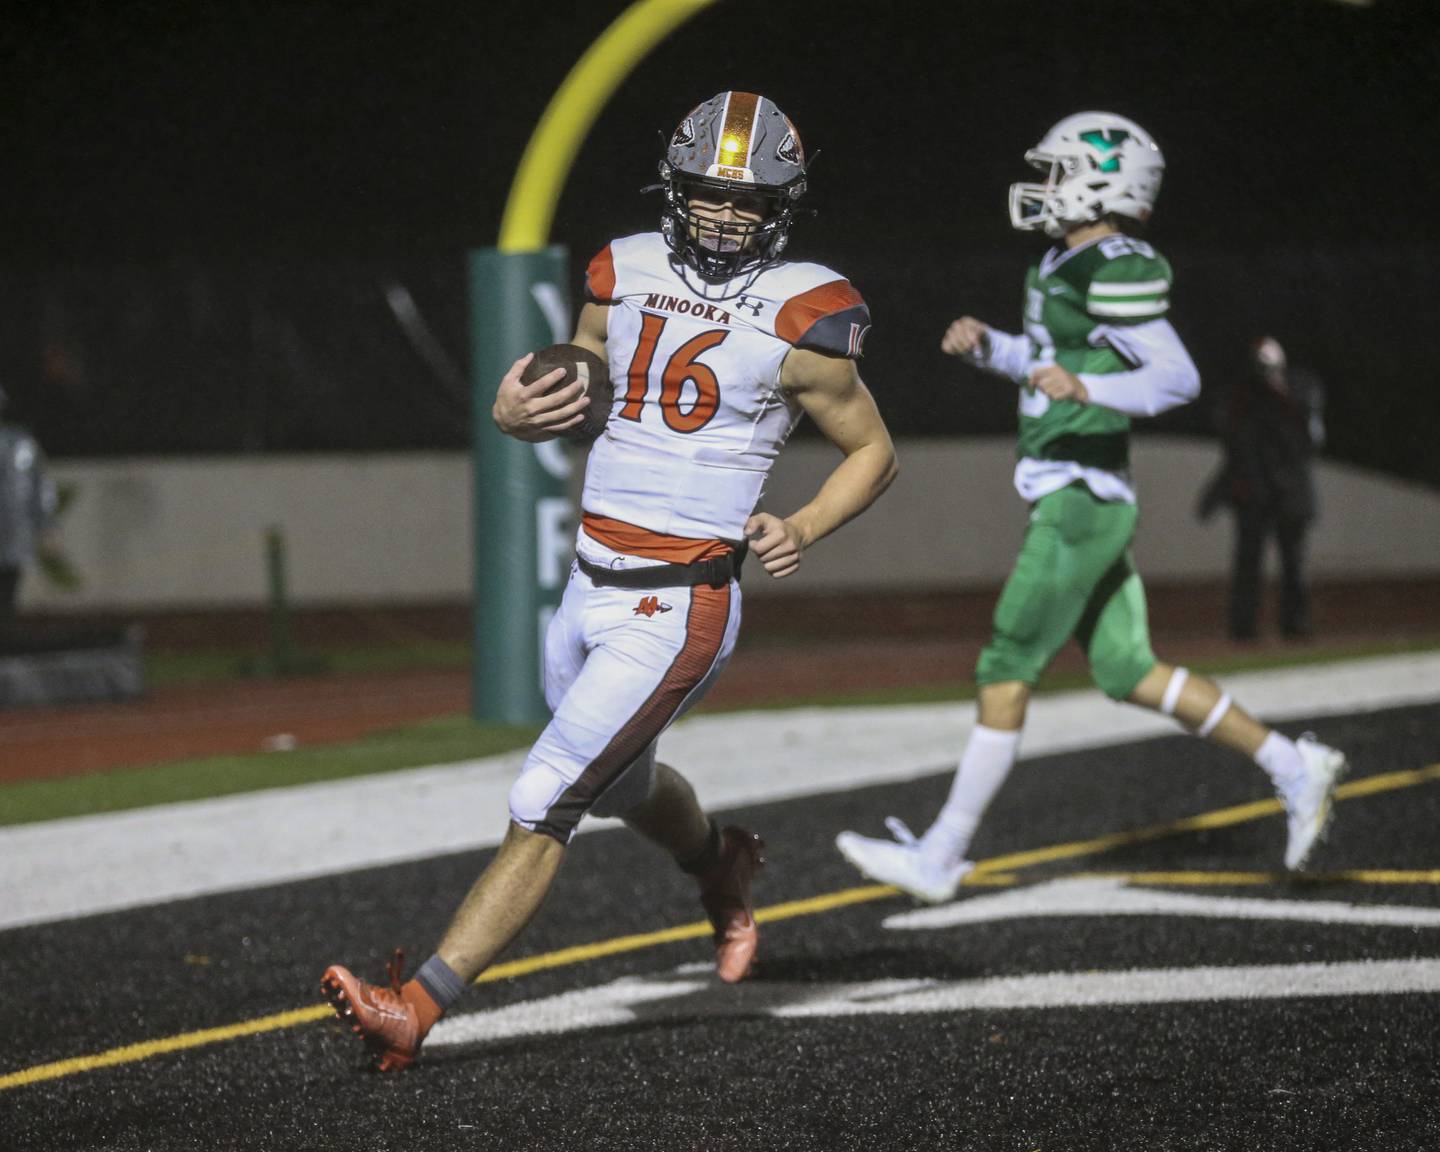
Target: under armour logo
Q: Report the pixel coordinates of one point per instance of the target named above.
(755, 306)
(649, 605)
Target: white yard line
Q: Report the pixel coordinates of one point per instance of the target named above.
(691, 993)
(1112, 896)
(94, 864)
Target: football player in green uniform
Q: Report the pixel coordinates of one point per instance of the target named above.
(1097, 350)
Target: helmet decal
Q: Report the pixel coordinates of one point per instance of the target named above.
(734, 143)
(735, 146)
(1106, 141)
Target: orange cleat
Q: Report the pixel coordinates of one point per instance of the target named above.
(383, 1017)
(725, 895)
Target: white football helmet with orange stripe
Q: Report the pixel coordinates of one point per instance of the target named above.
(736, 144)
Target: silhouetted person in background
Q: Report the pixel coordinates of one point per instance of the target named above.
(1273, 425)
(27, 509)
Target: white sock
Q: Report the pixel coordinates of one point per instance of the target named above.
(1281, 760)
(988, 758)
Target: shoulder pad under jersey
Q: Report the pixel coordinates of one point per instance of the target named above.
(619, 268)
(1130, 284)
(821, 311)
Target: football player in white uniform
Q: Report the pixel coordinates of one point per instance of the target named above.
(717, 347)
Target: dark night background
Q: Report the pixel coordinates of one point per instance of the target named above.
(204, 205)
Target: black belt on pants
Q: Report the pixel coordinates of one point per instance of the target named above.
(716, 572)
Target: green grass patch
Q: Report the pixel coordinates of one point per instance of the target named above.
(439, 741)
(458, 738)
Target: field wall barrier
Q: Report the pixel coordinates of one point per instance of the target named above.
(161, 534)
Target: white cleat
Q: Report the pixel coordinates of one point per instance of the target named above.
(1309, 801)
(901, 863)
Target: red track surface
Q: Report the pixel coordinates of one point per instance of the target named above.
(203, 720)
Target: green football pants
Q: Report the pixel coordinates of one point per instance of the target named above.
(1073, 577)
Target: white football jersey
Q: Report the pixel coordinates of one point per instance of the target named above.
(699, 415)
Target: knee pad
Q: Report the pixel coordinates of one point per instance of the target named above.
(534, 794)
(1117, 675)
(1003, 660)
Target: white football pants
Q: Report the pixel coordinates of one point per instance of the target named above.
(621, 665)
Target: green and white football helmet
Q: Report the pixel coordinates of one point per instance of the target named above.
(1095, 164)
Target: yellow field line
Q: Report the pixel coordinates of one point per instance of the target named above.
(991, 871)
(583, 952)
(1241, 879)
(1380, 876)
(698, 930)
(1220, 818)
(133, 1053)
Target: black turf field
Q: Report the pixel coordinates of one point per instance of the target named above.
(713, 1068)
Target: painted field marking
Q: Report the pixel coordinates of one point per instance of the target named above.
(986, 871)
(86, 865)
(1113, 896)
(1377, 876)
(1220, 818)
(690, 993)
(133, 1053)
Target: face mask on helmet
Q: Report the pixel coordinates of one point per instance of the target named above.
(731, 176)
(1096, 164)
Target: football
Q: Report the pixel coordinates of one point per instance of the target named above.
(583, 365)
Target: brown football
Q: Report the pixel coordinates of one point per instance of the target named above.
(579, 364)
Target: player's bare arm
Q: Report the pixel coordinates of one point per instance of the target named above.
(831, 392)
(525, 412)
(592, 327)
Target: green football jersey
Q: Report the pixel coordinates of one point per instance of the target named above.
(1069, 295)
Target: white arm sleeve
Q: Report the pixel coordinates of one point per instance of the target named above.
(1005, 353)
(1162, 375)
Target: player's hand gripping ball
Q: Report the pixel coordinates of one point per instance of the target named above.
(583, 365)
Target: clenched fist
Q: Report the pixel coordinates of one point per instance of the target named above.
(1059, 383)
(776, 543)
(966, 337)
